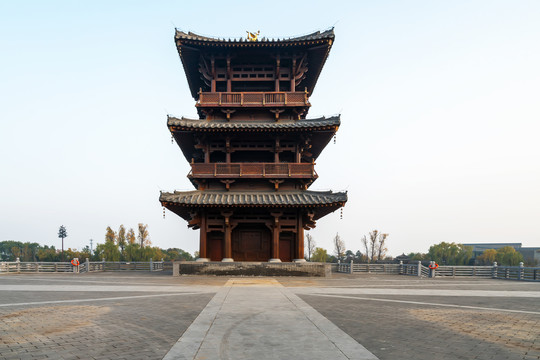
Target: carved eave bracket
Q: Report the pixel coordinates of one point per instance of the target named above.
(276, 112)
(195, 221)
(227, 183)
(228, 113)
(308, 221)
(276, 183)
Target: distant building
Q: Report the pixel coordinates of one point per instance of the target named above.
(530, 254)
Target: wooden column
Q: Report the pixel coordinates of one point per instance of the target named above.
(213, 69)
(275, 238)
(293, 74)
(206, 154)
(229, 75)
(228, 237)
(276, 151)
(300, 237)
(277, 72)
(228, 150)
(203, 237)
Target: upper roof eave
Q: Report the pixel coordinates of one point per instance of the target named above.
(315, 36)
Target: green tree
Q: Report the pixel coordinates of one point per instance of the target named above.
(508, 256)
(62, 233)
(488, 257)
(417, 256)
(109, 250)
(130, 236)
(175, 254)
(319, 255)
(122, 238)
(450, 253)
(110, 235)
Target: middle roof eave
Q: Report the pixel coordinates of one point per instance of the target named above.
(185, 124)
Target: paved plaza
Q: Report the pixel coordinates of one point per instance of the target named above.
(155, 316)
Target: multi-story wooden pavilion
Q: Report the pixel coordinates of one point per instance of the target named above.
(252, 151)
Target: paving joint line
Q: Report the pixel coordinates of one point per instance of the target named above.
(426, 303)
(98, 299)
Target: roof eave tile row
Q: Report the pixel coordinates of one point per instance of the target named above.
(316, 36)
(204, 125)
(254, 199)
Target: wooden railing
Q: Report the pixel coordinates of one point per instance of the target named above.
(274, 170)
(253, 99)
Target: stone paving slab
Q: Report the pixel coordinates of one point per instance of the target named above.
(259, 319)
(404, 330)
(142, 315)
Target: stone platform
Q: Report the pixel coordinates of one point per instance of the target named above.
(147, 316)
(251, 268)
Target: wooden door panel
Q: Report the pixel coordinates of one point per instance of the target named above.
(215, 244)
(251, 244)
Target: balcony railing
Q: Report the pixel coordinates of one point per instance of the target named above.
(253, 170)
(252, 99)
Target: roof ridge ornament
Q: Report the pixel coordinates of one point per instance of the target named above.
(253, 36)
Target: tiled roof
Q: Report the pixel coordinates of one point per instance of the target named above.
(255, 198)
(328, 34)
(321, 122)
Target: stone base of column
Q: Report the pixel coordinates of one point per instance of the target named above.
(274, 260)
(227, 260)
(202, 260)
(299, 260)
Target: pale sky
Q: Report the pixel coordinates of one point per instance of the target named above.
(439, 102)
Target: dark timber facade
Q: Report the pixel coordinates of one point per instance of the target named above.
(252, 151)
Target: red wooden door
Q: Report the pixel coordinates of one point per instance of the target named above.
(251, 243)
(215, 245)
(285, 247)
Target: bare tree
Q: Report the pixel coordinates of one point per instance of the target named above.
(143, 236)
(339, 246)
(381, 247)
(373, 244)
(366, 247)
(310, 245)
(375, 247)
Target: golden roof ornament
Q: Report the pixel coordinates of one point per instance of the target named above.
(253, 36)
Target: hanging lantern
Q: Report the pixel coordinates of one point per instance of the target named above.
(164, 212)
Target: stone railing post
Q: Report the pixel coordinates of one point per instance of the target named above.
(520, 271)
(87, 265)
(494, 272)
(102, 264)
(401, 267)
(419, 269)
(351, 269)
(18, 261)
(151, 265)
(37, 266)
(431, 271)
(176, 268)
